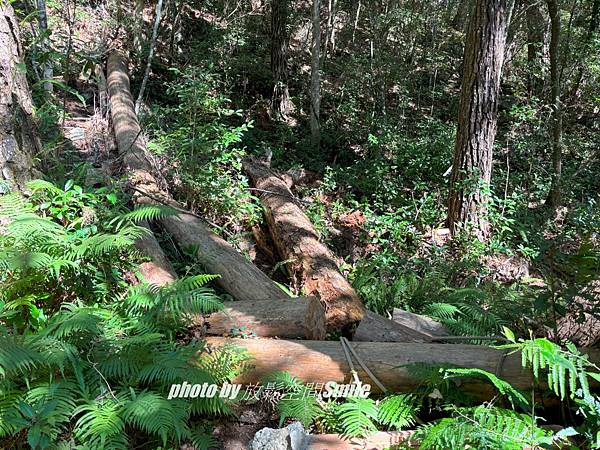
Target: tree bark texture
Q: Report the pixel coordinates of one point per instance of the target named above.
(18, 141)
(311, 263)
(477, 117)
(132, 148)
(554, 196)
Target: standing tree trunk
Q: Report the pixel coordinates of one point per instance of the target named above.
(315, 77)
(477, 116)
(138, 102)
(280, 101)
(536, 30)
(48, 73)
(554, 196)
(18, 142)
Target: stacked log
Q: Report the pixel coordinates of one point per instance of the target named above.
(239, 277)
(324, 361)
(310, 262)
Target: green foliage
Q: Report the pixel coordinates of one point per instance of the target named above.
(200, 135)
(483, 427)
(353, 416)
(81, 353)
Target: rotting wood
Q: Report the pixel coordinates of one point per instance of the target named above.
(239, 277)
(310, 261)
(324, 361)
(284, 318)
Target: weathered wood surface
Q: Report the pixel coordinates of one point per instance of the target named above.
(239, 277)
(132, 149)
(376, 328)
(422, 324)
(310, 262)
(323, 361)
(284, 318)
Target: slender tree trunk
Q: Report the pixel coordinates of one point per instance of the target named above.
(330, 35)
(315, 78)
(536, 30)
(18, 141)
(138, 26)
(138, 102)
(461, 17)
(477, 117)
(356, 19)
(280, 100)
(47, 73)
(554, 196)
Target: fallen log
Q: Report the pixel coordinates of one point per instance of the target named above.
(324, 361)
(310, 261)
(377, 441)
(376, 328)
(284, 318)
(239, 277)
(132, 150)
(420, 323)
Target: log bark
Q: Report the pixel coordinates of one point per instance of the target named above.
(18, 141)
(323, 361)
(132, 149)
(311, 263)
(423, 324)
(376, 328)
(239, 277)
(284, 318)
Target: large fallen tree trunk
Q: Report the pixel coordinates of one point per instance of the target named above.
(284, 318)
(310, 261)
(18, 141)
(323, 361)
(132, 150)
(239, 277)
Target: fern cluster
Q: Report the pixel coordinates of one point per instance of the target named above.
(484, 428)
(354, 417)
(85, 359)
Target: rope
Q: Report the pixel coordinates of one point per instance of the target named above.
(346, 346)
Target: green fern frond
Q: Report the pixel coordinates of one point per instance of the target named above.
(16, 356)
(398, 411)
(515, 396)
(143, 213)
(100, 424)
(154, 414)
(357, 416)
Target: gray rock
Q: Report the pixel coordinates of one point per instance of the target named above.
(292, 437)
